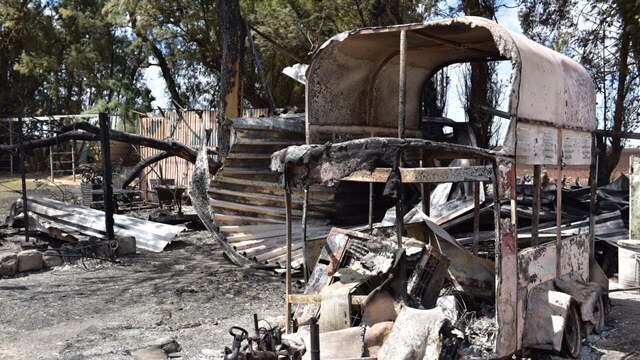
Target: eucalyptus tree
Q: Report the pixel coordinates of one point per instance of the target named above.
(64, 57)
(604, 36)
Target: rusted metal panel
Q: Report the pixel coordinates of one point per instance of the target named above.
(537, 265)
(149, 235)
(187, 127)
(425, 175)
(634, 197)
(546, 316)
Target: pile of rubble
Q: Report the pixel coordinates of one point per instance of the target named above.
(366, 298)
(52, 244)
(12, 263)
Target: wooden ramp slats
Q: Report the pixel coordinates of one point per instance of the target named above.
(267, 142)
(247, 198)
(265, 156)
(276, 244)
(277, 252)
(243, 220)
(296, 259)
(276, 189)
(269, 201)
(248, 171)
(270, 134)
(256, 239)
(244, 245)
(266, 210)
(259, 196)
(258, 235)
(240, 229)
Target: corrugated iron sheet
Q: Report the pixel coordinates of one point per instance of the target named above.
(187, 127)
(149, 235)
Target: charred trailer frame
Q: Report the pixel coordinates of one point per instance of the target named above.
(351, 95)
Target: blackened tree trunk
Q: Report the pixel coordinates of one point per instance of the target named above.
(479, 95)
(165, 68)
(480, 92)
(619, 114)
(232, 34)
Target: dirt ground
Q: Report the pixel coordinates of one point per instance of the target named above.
(188, 292)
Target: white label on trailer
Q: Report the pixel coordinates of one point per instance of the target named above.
(537, 145)
(576, 147)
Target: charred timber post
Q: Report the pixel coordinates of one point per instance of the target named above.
(106, 184)
(23, 177)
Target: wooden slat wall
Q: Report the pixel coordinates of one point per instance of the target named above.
(187, 127)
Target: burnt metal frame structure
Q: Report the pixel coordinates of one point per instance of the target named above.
(576, 115)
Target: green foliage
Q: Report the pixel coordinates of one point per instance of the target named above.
(64, 57)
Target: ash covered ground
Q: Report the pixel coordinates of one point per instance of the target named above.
(189, 292)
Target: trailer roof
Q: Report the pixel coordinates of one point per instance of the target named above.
(353, 78)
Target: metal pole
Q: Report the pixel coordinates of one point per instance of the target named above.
(106, 184)
(73, 159)
(476, 217)
(402, 98)
(370, 206)
(256, 328)
(287, 311)
(51, 152)
(11, 143)
(402, 91)
(399, 205)
(23, 175)
(593, 181)
(559, 207)
(537, 172)
(305, 204)
(314, 334)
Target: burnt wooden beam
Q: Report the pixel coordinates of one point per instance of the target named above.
(179, 149)
(84, 131)
(23, 179)
(135, 172)
(47, 142)
(109, 207)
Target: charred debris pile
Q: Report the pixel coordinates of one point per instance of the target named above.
(431, 292)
